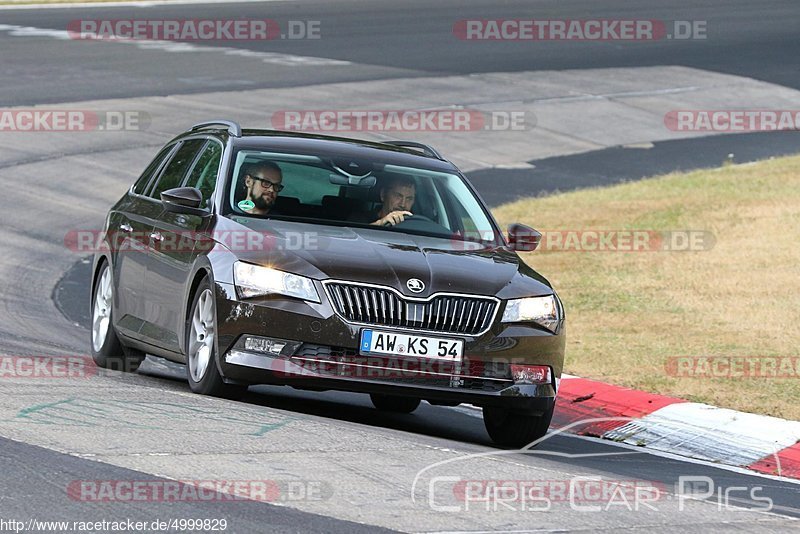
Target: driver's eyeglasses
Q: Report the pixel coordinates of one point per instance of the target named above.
(266, 184)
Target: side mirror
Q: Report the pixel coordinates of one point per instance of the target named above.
(523, 238)
(184, 200)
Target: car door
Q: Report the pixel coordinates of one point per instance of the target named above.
(129, 228)
(171, 253)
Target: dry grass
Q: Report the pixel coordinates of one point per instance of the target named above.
(628, 313)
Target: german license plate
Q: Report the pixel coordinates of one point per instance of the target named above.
(381, 342)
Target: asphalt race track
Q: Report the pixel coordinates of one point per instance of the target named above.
(335, 463)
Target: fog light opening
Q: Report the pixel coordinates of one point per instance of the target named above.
(271, 346)
(530, 374)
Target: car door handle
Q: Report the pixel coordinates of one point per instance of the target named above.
(156, 236)
(125, 227)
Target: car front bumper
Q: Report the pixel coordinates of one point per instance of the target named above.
(321, 351)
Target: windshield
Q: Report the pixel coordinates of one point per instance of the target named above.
(307, 187)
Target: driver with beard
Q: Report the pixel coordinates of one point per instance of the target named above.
(263, 183)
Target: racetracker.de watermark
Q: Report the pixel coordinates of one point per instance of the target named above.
(192, 29)
(72, 120)
(47, 367)
(436, 366)
(733, 366)
(265, 490)
(192, 524)
(90, 241)
(607, 240)
(732, 120)
(578, 29)
(399, 120)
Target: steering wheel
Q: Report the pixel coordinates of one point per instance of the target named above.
(421, 223)
(416, 217)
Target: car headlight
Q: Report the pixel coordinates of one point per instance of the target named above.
(544, 311)
(254, 280)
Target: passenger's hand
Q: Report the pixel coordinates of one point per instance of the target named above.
(395, 217)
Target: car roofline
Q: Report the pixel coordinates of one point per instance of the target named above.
(407, 147)
(233, 129)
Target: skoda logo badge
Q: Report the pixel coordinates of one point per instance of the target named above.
(415, 285)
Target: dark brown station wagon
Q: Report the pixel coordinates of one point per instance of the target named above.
(324, 263)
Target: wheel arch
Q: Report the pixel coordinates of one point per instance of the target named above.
(98, 263)
(202, 270)
(198, 276)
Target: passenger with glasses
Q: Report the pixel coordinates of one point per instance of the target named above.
(263, 183)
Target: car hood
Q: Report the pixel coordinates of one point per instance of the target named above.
(391, 258)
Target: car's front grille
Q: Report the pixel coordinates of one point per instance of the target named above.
(457, 314)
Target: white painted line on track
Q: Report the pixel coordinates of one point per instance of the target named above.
(154, 3)
(273, 58)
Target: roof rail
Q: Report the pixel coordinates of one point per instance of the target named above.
(233, 127)
(427, 149)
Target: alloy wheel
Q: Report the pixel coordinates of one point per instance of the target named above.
(201, 336)
(101, 314)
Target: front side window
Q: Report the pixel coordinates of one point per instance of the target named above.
(141, 184)
(178, 166)
(203, 175)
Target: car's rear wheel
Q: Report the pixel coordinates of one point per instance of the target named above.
(201, 336)
(389, 403)
(107, 350)
(510, 429)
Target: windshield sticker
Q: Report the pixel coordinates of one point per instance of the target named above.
(245, 205)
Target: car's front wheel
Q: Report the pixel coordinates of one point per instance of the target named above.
(388, 403)
(510, 429)
(107, 351)
(201, 366)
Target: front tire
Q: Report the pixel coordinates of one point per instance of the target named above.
(201, 361)
(107, 350)
(509, 429)
(388, 403)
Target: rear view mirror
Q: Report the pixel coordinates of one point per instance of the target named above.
(523, 238)
(357, 181)
(185, 200)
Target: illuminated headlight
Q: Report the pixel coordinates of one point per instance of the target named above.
(254, 280)
(543, 311)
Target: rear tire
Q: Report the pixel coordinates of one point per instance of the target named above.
(389, 403)
(107, 350)
(509, 429)
(201, 352)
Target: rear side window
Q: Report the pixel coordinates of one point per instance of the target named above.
(204, 172)
(141, 184)
(176, 169)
